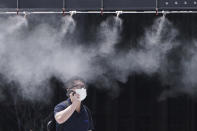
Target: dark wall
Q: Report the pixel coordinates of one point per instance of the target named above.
(140, 5)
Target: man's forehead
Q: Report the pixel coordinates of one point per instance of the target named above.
(79, 82)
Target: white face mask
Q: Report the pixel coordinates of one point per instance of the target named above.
(82, 93)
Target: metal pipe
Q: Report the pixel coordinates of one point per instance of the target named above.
(95, 12)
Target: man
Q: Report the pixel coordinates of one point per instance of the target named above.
(72, 115)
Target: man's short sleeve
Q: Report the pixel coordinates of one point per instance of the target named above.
(58, 108)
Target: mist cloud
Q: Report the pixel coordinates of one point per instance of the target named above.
(31, 56)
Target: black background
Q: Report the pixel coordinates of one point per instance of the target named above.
(136, 108)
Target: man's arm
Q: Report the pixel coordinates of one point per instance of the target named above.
(65, 114)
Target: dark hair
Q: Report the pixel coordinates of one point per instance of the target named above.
(71, 82)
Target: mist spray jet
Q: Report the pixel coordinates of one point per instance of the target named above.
(164, 13)
(26, 13)
(72, 13)
(68, 25)
(118, 13)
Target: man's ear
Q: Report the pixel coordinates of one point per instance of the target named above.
(67, 93)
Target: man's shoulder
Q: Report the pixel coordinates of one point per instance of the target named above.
(61, 106)
(64, 103)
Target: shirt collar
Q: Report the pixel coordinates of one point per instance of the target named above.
(69, 101)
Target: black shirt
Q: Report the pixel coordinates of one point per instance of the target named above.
(81, 121)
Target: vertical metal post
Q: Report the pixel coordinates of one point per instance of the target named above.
(63, 4)
(17, 7)
(64, 8)
(17, 4)
(156, 7)
(102, 6)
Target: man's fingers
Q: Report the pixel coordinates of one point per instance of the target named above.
(74, 96)
(77, 95)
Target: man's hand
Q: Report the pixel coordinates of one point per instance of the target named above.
(75, 99)
(65, 114)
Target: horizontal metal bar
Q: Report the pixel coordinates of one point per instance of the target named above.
(92, 12)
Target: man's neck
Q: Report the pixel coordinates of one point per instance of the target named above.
(78, 108)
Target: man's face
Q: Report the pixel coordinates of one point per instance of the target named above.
(79, 88)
